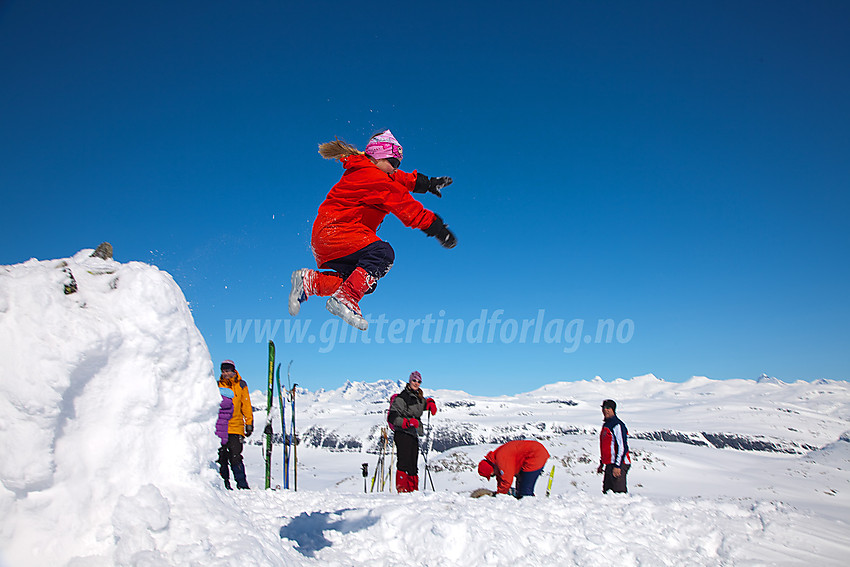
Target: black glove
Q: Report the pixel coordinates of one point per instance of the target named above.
(249, 429)
(441, 232)
(433, 185)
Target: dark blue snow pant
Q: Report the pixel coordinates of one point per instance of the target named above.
(231, 454)
(525, 482)
(376, 258)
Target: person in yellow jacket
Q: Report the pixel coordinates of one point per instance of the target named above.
(240, 425)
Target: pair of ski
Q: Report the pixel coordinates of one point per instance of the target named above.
(290, 446)
(382, 474)
(379, 476)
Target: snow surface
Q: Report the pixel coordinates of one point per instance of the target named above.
(109, 402)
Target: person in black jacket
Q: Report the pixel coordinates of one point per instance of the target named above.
(405, 413)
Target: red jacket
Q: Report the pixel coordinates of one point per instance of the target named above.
(513, 457)
(356, 206)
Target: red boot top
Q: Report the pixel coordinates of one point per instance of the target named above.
(402, 482)
(413, 483)
(345, 301)
(307, 282)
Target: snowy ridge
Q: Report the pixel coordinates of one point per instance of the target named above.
(109, 403)
(751, 415)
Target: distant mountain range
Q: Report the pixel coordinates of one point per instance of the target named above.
(765, 414)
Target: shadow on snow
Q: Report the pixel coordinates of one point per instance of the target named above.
(308, 529)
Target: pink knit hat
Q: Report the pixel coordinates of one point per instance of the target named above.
(383, 145)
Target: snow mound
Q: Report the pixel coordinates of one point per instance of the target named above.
(108, 408)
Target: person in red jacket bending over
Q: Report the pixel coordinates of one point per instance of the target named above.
(521, 459)
(344, 238)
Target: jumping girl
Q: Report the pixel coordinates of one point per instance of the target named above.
(345, 239)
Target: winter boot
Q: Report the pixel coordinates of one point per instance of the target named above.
(412, 483)
(402, 482)
(344, 303)
(239, 475)
(306, 282)
(225, 476)
(223, 469)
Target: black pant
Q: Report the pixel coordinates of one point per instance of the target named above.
(407, 448)
(231, 454)
(376, 258)
(614, 484)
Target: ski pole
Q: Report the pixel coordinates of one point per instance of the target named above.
(287, 439)
(551, 477)
(383, 456)
(365, 470)
(282, 427)
(294, 444)
(378, 465)
(390, 470)
(386, 440)
(425, 455)
(282, 402)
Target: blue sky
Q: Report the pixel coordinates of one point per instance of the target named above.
(677, 171)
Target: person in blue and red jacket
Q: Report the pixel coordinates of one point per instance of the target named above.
(522, 459)
(614, 450)
(344, 237)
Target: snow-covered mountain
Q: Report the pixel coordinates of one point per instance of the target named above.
(751, 415)
(109, 400)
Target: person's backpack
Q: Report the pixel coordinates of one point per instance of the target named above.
(390, 423)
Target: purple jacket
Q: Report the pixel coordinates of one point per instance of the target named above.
(225, 412)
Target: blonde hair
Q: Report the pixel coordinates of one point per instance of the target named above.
(338, 150)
